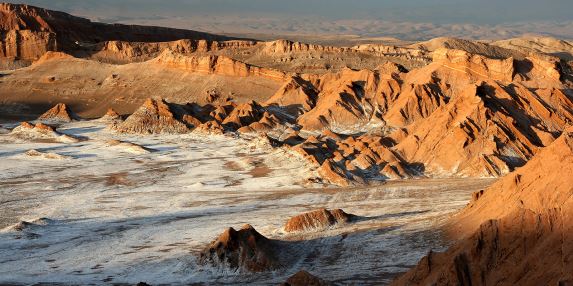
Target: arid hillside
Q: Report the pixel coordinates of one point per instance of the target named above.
(517, 232)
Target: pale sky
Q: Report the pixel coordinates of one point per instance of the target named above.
(539, 16)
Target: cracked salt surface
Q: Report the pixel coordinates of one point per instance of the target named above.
(119, 217)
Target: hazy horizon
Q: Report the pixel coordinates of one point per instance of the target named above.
(410, 19)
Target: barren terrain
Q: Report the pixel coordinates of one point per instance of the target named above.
(108, 215)
(143, 154)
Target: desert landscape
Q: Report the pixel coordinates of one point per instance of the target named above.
(149, 155)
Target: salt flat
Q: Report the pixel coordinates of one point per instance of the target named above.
(109, 214)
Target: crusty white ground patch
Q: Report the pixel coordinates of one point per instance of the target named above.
(110, 216)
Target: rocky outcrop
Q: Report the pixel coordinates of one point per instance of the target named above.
(351, 160)
(61, 113)
(486, 131)
(350, 101)
(219, 65)
(27, 32)
(495, 69)
(286, 46)
(296, 96)
(111, 116)
(517, 232)
(153, 117)
(316, 220)
(304, 278)
(26, 45)
(45, 155)
(245, 249)
(41, 133)
(126, 52)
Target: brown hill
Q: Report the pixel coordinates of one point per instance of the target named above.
(519, 229)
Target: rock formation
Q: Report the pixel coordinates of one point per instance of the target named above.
(111, 116)
(45, 155)
(60, 113)
(155, 116)
(304, 278)
(319, 219)
(219, 65)
(245, 249)
(41, 132)
(28, 32)
(517, 232)
(445, 107)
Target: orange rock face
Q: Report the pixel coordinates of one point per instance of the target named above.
(245, 249)
(518, 231)
(31, 31)
(318, 219)
(42, 126)
(219, 65)
(59, 113)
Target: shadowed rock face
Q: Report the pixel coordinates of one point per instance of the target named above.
(245, 249)
(519, 230)
(318, 219)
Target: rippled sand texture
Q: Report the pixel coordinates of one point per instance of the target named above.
(107, 214)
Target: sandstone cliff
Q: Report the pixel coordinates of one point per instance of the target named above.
(219, 65)
(27, 32)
